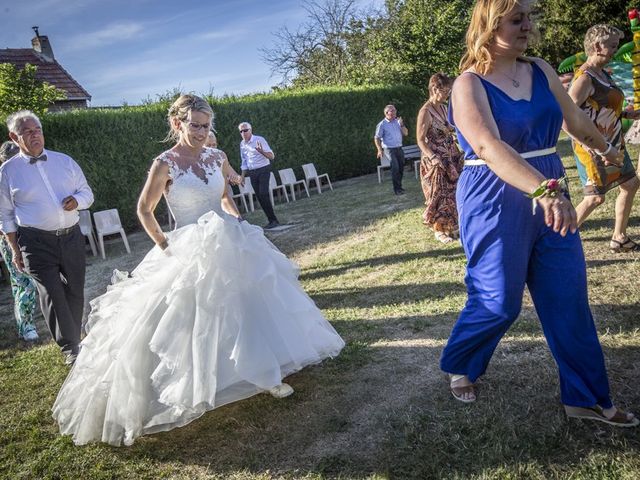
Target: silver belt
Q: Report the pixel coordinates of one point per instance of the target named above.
(531, 154)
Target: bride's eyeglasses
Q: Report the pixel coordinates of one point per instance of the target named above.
(194, 126)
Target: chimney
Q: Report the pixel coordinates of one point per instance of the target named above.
(41, 45)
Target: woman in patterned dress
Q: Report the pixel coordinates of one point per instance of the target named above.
(441, 161)
(595, 92)
(22, 286)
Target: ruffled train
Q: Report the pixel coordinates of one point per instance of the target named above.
(217, 318)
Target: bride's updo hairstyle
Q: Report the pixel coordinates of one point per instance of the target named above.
(180, 109)
(485, 19)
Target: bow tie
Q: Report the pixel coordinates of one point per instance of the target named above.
(42, 157)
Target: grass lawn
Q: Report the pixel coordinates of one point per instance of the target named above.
(382, 408)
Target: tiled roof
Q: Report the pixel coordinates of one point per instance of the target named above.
(50, 72)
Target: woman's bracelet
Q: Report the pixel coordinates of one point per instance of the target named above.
(551, 187)
(606, 152)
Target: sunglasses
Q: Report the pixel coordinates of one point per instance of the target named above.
(244, 130)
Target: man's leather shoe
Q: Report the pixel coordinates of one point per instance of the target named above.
(271, 225)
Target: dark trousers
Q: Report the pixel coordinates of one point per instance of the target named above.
(260, 183)
(396, 158)
(57, 264)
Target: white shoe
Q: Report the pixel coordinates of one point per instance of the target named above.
(30, 336)
(281, 391)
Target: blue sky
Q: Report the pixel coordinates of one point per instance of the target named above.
(123, 50)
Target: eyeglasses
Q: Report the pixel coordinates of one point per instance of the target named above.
(244, 130)
(194, 126)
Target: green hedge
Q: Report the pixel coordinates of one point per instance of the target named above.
(331, 127)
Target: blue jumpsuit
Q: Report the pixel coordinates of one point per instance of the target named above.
(507, 247)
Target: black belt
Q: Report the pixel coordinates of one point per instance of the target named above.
(58, 233)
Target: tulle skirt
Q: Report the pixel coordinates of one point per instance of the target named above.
(217, 317)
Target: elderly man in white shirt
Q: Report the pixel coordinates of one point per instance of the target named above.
(41, 192)
(256, 158)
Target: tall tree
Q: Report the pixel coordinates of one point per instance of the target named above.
(317, 52)
(563, 23)
(20, 90)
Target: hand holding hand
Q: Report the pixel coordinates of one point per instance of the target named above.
(69, 203)
(235, 179)
(559, 214)
(614, 157)
(633, 114)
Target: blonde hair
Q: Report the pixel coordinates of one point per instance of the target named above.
(598, 34)
(485, 20)
(180, 109)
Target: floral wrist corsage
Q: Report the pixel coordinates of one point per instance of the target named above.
(551, 187)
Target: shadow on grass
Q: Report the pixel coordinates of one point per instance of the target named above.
(375, 409)
(385, 294)
(339, 268)
(598, 223)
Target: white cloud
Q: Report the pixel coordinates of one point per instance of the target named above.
(113, 33)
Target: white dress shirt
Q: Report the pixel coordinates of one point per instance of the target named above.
(252, 158)
(31, 194)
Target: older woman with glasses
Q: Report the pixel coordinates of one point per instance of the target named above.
(441, 161)
(595, 92)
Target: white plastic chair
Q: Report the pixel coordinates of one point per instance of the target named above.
(236, 196)
(384, 163)
(310, 173)
(86, 227)
(108, 223)
(288, 179)
(274, 187)
(247, 190)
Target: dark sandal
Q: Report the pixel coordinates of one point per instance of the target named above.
(627, 246)
(459, 392)
(619, 419)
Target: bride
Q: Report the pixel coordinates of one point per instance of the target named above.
(213, 314)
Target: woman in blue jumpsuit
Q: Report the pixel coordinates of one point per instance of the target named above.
(508, 111)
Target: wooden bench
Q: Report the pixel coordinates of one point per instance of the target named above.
(413, 153)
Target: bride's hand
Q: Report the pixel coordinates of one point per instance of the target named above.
(559, 214)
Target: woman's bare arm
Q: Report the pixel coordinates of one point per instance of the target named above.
(149, 198)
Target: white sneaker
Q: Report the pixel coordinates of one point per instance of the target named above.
(281, 391)
(30, 336)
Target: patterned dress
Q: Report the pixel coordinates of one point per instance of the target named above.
(440, 174)
(604, 108)
(23, 289)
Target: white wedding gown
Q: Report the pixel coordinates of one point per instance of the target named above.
(218, 318)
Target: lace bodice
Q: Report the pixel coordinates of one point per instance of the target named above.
(194, 193)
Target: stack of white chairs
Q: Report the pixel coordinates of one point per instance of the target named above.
(288, 179)
(310, 174)
(274, 187)
(108, 223)
(86, 227)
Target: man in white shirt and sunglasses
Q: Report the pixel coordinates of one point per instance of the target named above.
(41, 192)
(256, 156)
